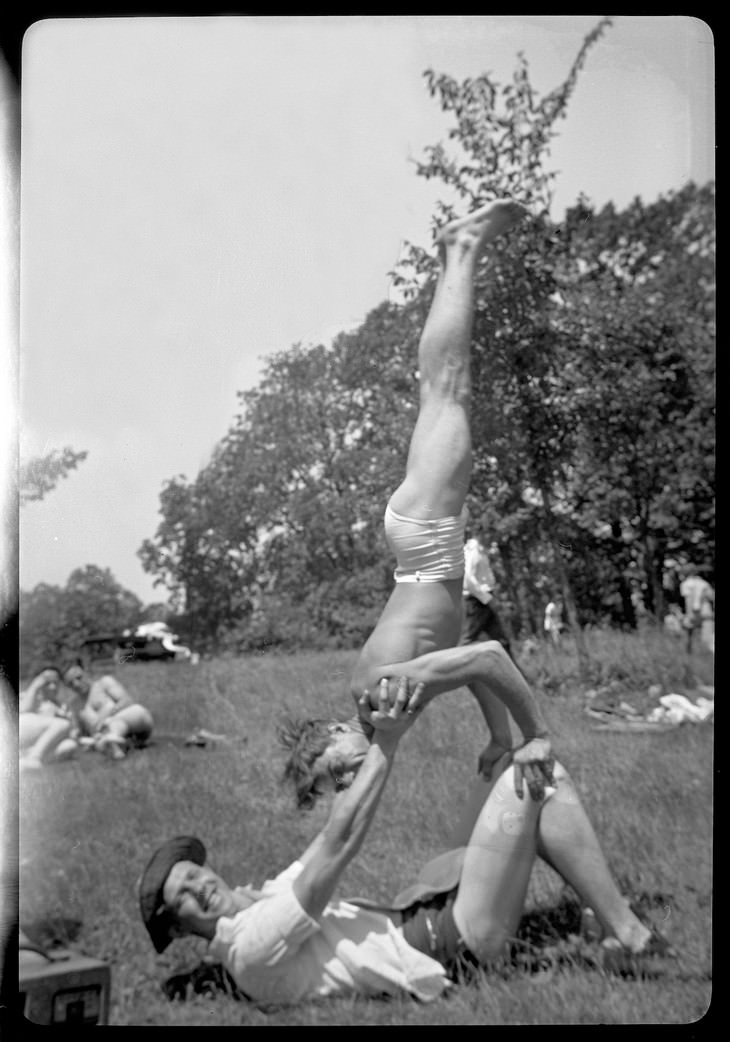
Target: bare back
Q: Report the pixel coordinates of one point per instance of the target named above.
(418, 618)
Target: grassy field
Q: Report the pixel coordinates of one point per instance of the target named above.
(88, 826)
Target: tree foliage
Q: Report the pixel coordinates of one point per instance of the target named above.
(593, 417)
(40, 474)
(55, 620)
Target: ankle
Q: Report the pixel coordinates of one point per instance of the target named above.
(634, 936)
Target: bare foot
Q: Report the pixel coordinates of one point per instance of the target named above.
(113, 746)
(471, 233)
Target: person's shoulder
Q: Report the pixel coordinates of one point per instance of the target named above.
(284, 878)
(109, 680)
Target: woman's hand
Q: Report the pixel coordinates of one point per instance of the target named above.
(534, 762)
(393, 717)
(490, 756)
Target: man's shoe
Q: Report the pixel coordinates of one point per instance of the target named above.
(615, 959)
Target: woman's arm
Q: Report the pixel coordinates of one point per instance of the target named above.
(486, 663)
(497, 720)
(483, 663)
(495, 714)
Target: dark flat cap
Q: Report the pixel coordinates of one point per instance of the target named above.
(158, 920)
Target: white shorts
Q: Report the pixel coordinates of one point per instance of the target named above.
(428, 551)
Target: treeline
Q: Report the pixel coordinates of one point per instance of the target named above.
(593, 413)
(593, 417)
(593, 442)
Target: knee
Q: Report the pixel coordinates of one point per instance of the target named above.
(61, 727)
(65, 749)
(138, 721)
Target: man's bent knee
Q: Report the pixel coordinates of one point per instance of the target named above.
(134, 721)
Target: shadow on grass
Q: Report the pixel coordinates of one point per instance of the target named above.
(52, 931)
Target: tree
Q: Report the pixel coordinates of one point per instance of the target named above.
(291, 497)
(565, 312)
(637, 297)
(54, 620)
(202, 552)
(592, 415)
(40, 474)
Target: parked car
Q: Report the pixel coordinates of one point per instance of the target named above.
(149, 642)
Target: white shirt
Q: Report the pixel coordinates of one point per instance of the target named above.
(552, 616)
(698, 595)
(277, 953)
(478, 576)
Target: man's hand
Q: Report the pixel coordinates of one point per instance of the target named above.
(394, 717)
(489, 756)
(534, 762)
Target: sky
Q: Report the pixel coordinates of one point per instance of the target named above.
(197, 193)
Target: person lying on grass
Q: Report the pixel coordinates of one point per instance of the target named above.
(109, 715)
(419, 628)
(46, 732)
(291, 940)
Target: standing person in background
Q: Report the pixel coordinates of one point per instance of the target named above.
(480, 619)
(553, 622)
(109, 714)
(699, 607)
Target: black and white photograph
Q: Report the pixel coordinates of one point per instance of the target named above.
(359, 492)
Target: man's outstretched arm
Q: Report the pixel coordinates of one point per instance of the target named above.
(354, 808)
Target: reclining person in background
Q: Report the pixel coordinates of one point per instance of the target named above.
(109, 715)
(46, 732)
(419, 628)
(290, 941)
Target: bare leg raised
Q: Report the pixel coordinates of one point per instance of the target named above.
(439, 459)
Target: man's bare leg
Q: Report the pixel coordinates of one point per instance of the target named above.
(439, 458)
(567, 842)
(498, 862)
(52, 733)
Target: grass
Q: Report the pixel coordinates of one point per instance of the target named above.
(88, 826)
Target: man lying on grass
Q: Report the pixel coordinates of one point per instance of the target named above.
(290, 941)
(108, 714)
(425, 520)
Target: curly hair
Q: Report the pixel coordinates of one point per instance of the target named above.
(305, 740)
